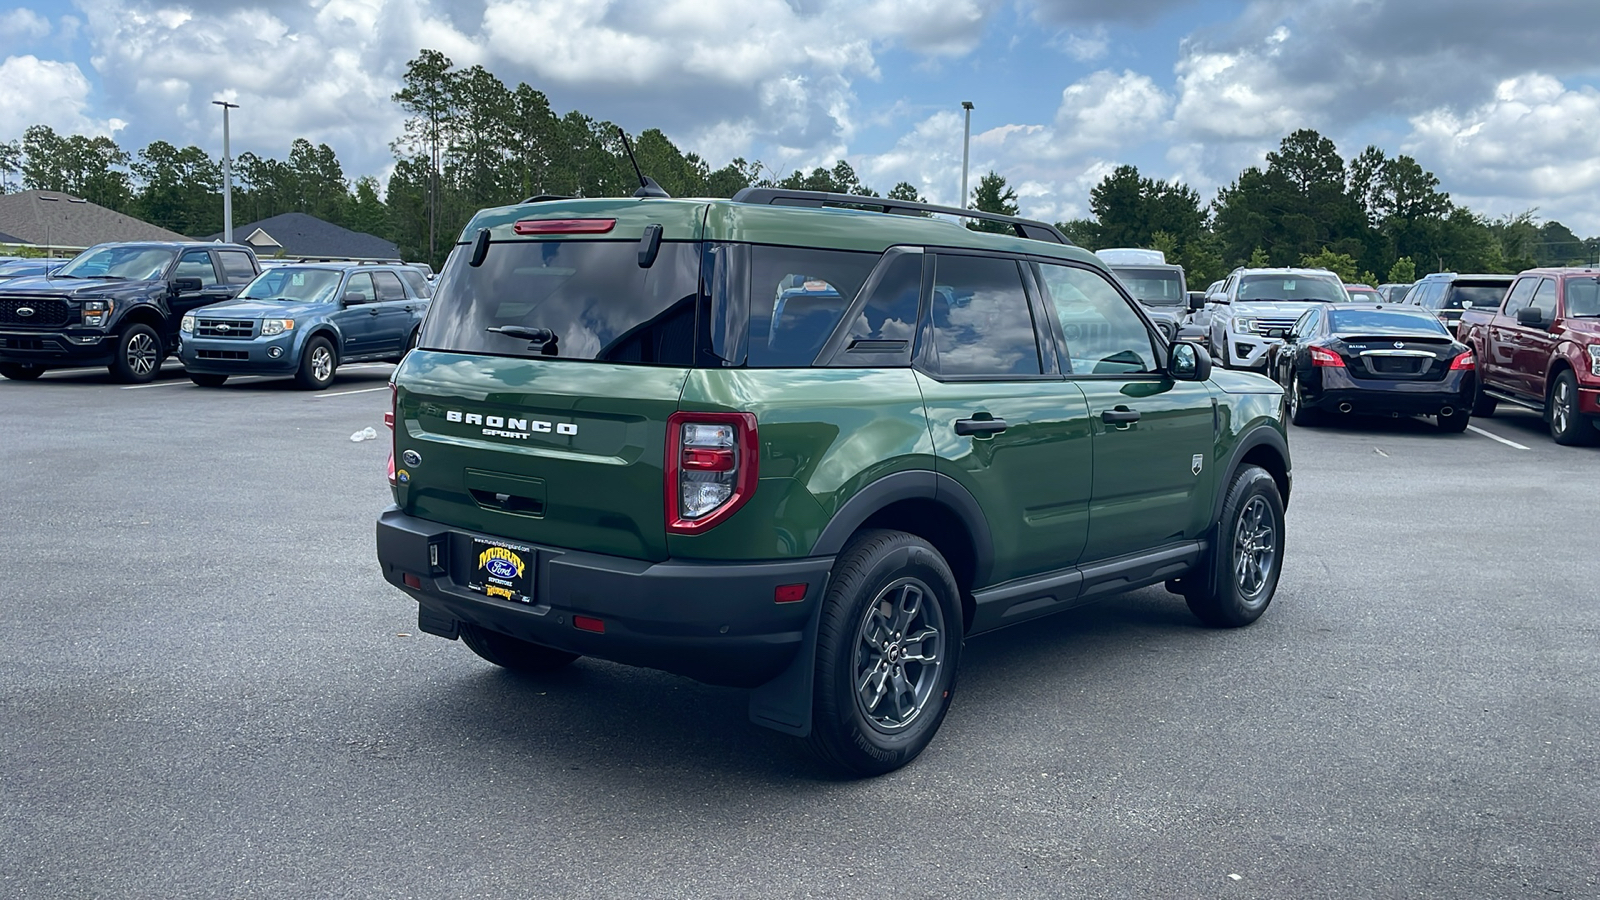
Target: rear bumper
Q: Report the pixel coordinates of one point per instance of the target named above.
(714, 622)
(57, 348)
(1374, 395)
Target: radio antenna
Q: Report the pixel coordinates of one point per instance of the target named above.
(647, 185)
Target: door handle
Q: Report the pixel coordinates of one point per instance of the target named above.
(1120, 416)
(980, 427)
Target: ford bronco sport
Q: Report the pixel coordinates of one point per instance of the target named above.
(797, 442)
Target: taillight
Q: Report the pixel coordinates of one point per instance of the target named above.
(711, 468)
(1326, 359)
(564, 226)
(388, 421)
(1464, 362)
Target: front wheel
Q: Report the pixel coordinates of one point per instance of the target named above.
(205, 380)
(138, 356)
(512, 653)
(1568, 426)
(317, 365)
(21, 371)
(888, 646)
(1237, 581)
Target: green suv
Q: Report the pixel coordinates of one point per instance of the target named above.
(808, 444)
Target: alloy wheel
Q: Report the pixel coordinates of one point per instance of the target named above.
(141, 354)
(322, 363)
(1255, 548)
(899, 652)
(1560, 414)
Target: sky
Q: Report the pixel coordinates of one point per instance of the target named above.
(1500, 100)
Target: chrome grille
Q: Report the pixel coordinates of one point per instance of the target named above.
(47, 312)
(1265, 322)
(225, 328)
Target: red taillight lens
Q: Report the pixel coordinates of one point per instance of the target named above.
(1465, 361)
(1322, 358)
(564, 226)
(711, 468)
(392, 480)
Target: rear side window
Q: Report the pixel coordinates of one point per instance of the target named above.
(980, 320)
(415, 281)
(797, 297)
(591, 295)
(389, 288)
(237, 266)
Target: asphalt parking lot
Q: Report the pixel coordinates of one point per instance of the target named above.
(209, 691)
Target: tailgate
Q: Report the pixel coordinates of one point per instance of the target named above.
(563, 453)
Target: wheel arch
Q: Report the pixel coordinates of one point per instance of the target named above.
(1263, 446)
(323, 329)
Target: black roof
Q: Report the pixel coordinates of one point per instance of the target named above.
(299, 234)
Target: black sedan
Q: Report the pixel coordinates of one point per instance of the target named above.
(1346, 359)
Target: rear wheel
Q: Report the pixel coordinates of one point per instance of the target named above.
(138, 356)
(1568, 426)
(888, 646)
(317, 365)
(1299, 412)
(512, 653)
(1454, 423)
(205, 380)
(21, 371)
(1482, 404)
(1235, 584)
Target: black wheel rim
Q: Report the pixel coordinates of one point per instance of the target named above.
(899, 653)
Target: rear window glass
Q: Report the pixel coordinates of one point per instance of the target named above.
(797, 297)
(591, 295)
(1476, 296)
(1157, 287)
(1383, 321)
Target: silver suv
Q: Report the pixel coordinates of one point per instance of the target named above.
(1254, 309)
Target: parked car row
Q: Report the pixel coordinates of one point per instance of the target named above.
(129, 306)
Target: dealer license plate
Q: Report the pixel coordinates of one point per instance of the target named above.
(502, 570)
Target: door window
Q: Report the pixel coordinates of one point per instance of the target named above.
(1103, 333)
(361, 284)
(237, 266)
(1544, 299)
(980, 320)
(196, 264)
(389, 286)
(1521, 293)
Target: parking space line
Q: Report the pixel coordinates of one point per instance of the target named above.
(1495, 437)
(343, 393)
(186, 383)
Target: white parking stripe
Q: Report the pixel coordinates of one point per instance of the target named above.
(187, 383)
(344, 393)
(1495, 437)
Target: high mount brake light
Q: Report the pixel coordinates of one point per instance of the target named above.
(1465, 362)
(565, 226)
(711, 468)
(1326, 359)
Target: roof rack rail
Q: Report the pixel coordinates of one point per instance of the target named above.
(1023, 228)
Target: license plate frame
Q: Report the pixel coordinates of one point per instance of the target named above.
(503, 570)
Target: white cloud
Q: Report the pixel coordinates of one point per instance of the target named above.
(1084, 47)
(23, 25)
(1242, 95)
(47, 92)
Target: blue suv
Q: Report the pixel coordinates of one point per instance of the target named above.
(305, 320)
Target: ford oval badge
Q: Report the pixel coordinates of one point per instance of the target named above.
(501, 568)
(25, 311)
(412, 458)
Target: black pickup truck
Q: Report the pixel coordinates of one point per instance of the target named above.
(116, 305)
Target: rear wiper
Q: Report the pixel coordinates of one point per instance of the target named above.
(536, 337)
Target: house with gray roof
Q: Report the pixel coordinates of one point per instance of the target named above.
(298, 235)
(55, 221)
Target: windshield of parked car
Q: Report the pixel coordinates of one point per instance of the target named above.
(293, 285)
(1155, 287)
(132, 263)
(1477, 296)
(1384, 321)
(1293, 288)
(1583, 297)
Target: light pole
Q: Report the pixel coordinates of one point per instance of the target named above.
(966, 143)
(227, 173)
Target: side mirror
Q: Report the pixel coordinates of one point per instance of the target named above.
(1197, 301)
(1531, 317)
(353, 298)
(187, 285)
(1189, 362)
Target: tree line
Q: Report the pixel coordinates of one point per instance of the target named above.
(470, 141)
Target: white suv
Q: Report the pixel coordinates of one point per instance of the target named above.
(1254, 309)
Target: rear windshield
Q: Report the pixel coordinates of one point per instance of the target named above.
(1156, 287)
(1383, 321)
(592, 295)
(1476, 296)
(1295, 288)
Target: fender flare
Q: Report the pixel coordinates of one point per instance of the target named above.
(1260, 435)
(912, 485)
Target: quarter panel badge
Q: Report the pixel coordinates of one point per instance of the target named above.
(412, 458)
(1198, 463)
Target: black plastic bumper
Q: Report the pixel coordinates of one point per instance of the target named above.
(54, 348)
(714, 622)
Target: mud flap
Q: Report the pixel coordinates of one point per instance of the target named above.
(784, 703)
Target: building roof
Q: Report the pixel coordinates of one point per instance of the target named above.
(299, 234)
(54, 219)
(10, 239)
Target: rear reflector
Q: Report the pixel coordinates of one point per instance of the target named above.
(789, 593)
(589, 623)
(411, 580)
(564, 226)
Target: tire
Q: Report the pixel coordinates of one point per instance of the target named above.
(21, 371)
(1568, 426)
(885, 587)
(139, 354)
(318, 362)
(1251, 528)
(514, 654)
(1482, 404)
(205, 380)
(1454, 424)
(1300, 414)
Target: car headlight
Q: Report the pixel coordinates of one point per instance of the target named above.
(270, 327)
(1594, 358)
(96, 312)
(1244, 325)
(186, 325)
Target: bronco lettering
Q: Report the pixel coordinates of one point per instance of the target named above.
(498, 426)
